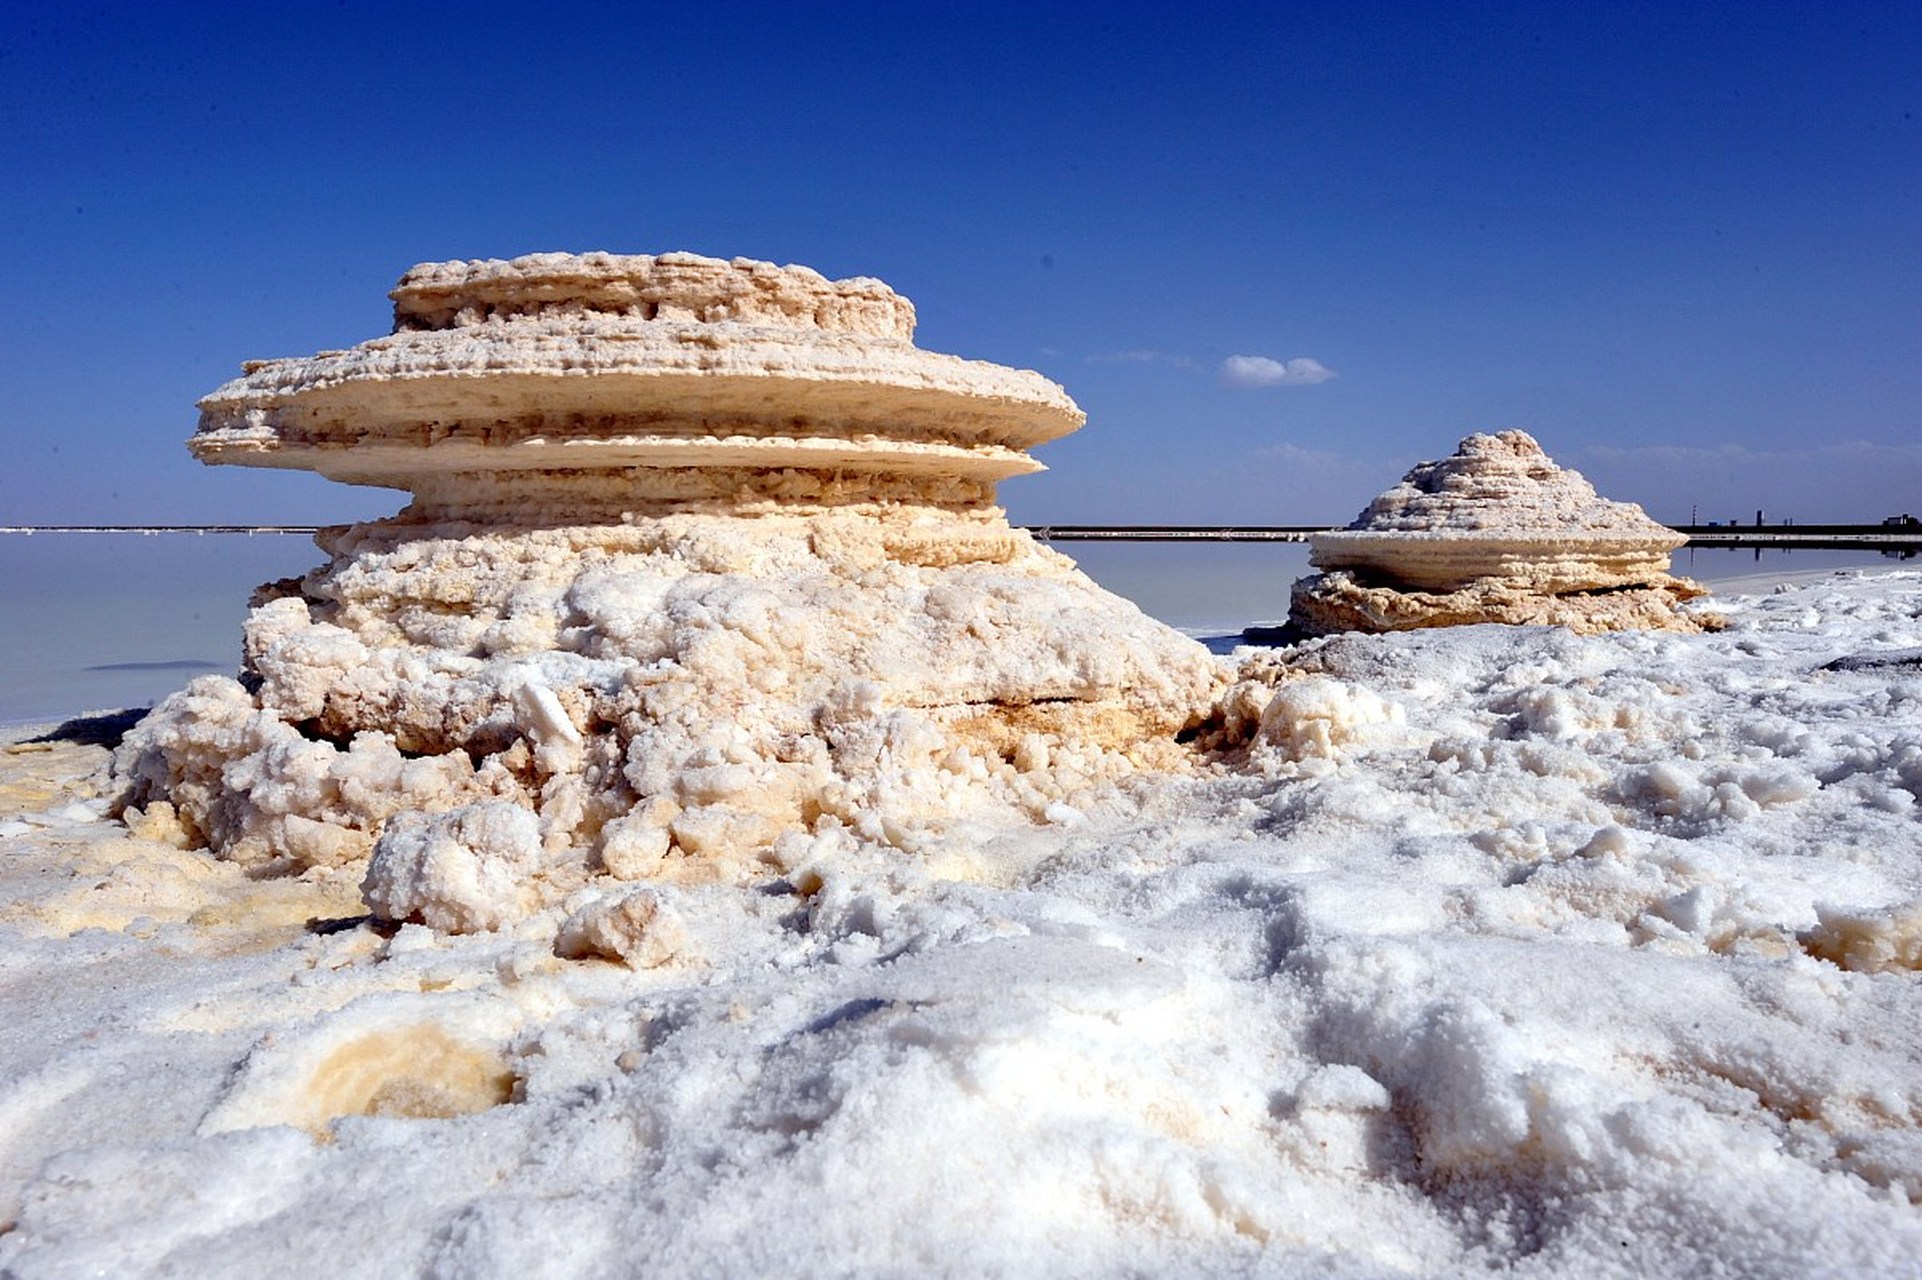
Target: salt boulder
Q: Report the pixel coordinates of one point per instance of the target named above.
(462, 871)
(700, 553)
(1495, 533)
(636, 927)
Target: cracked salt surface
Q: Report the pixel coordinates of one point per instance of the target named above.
(1516, 951)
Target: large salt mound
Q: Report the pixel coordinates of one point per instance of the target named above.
(1495, 533)
(702, 565)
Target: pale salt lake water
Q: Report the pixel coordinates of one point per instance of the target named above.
(105, 621)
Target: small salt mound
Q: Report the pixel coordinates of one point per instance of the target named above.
(1316, 718)
(637, 927)
(1495, 533)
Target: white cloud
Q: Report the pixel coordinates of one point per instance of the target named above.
(1260, 371)
(1143, 357)
(1294, 455)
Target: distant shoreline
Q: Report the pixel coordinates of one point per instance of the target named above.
(1832, 537)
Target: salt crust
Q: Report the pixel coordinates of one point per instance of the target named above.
(702, 556)
(1543, 954)
(1495, 533)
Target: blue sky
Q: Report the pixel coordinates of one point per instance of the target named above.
(1682, 244)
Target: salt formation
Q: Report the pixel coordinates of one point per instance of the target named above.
(702, 565)
(1496, 533)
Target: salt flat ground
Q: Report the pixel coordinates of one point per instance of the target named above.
(1526, 952)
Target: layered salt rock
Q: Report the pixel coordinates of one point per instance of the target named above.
(528, 372)
(703, 562)
(1495, 533)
